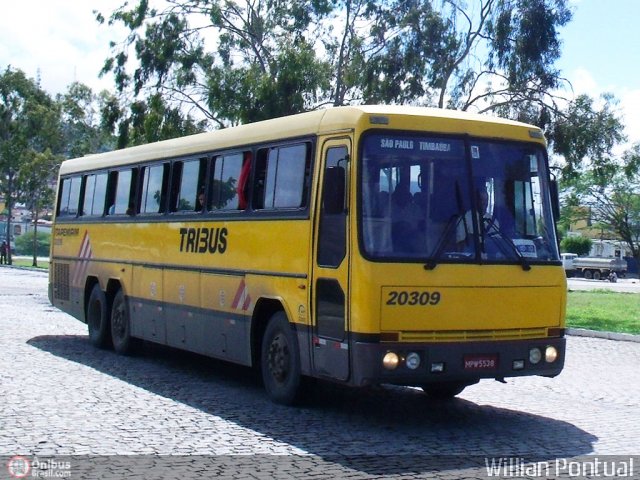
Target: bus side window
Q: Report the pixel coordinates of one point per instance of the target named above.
(155, 179)
(282, 180)
(187, 181)
(229, 179)
(69, 197)
(122, 203)
(95, 192)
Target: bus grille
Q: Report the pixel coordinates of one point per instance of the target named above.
(61, 281)
(461, 335)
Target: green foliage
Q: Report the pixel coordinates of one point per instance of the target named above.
(148, 121)
(24, 244)
(29, 124)
(82, 127)
(240, 61)
(223, 192)
(578, 245)
(35, 178)
(585, 136)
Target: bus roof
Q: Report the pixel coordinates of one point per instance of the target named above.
(311, 123)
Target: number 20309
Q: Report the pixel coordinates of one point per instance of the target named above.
(412, 298)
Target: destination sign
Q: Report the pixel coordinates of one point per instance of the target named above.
(380, 144)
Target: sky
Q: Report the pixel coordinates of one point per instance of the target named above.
(60, 41)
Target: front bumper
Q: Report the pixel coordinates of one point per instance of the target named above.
(461, 362)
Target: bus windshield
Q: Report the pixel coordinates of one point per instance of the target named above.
(462, 200)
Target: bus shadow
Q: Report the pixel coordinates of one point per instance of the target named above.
(380, 431)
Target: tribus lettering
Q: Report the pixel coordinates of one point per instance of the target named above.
(203, 240)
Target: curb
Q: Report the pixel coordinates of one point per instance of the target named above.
(30, 269)
(620, 337)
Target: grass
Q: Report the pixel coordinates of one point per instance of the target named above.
(28, 262)
(604, 310)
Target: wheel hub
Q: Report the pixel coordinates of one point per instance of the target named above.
(279, 358)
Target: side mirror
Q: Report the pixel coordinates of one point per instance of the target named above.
(555, 199)
(334, 190)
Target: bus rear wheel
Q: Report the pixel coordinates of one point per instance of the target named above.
(123, 342)
(280, 361)
(97, 318)
(444, 390)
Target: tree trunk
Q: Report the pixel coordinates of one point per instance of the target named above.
(35, 236)
(9, 205)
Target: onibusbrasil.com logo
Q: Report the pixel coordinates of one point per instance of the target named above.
(586, 467)
(20, 466)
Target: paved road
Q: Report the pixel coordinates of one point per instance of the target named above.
(623, 285)
(60, 396)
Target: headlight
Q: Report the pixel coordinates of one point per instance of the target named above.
(535, 355)
(390, 361)
(413, 360)
(550, 354)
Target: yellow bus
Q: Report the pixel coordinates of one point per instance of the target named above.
(361, 245)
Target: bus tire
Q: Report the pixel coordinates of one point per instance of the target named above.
(444, 390)
(97, 318)
(123, 342)
(280, 361)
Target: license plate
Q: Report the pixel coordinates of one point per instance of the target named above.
(480, 362)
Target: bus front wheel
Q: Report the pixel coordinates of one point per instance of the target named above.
(280, 361)
(123, 342)
(97, 319)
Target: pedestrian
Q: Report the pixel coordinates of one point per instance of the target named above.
(3, 253)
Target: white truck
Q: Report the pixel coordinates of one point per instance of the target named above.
(597, 268)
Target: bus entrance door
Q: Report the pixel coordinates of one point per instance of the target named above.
(330, 343)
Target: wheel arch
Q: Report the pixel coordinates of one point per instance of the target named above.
(113, 285)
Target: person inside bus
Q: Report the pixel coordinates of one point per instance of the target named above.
(466, 224)
(200, 201)
(404, 218)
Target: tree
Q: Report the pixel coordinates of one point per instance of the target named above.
(82, 126)
(448, 54)
(147, 121)
(585, 135)
(616, 207)
(261, 65)
(242, 61)
(29, 122)
(35, 180)
(578, 245)
(25, 243)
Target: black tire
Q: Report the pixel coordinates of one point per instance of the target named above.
(98, 318)
(588, 274)
(123, 342)
(596, 275)
(444, 390)
(280, 361)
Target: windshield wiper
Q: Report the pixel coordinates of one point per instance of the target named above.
(432, 262)
(495, 231)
